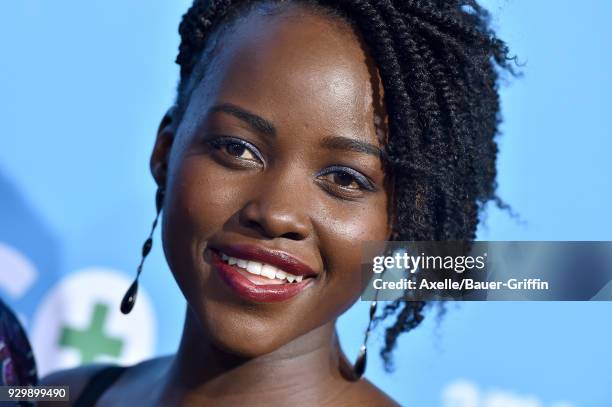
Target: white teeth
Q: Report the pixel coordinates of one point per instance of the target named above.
(262, 269)
(268, 271)
(254, 267)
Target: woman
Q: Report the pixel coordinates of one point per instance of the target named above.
(302, 128)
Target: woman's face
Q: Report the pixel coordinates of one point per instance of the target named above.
(274, 161)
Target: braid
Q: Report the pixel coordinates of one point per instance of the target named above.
(194, 29)
(439, 62)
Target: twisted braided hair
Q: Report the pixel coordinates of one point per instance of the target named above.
(440, 63)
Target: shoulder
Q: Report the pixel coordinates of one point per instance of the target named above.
(365, 393)
(76, 379)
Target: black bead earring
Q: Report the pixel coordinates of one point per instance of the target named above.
(360, 364)
(129, 299)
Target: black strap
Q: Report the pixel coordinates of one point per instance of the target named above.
(97, 385)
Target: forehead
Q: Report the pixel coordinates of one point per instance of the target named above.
(296, 67)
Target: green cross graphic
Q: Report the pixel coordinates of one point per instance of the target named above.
(92, 341)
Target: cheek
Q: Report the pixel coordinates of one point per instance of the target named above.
(204, 192)
(203, 197)
(195, 208)
(341, 245)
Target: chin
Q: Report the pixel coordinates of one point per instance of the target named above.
(241, 333)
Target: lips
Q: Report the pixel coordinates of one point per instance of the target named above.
(292, 276)
(279, 259)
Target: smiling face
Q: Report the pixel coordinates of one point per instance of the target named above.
(275, 160)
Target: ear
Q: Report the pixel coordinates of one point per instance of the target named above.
(163, 145)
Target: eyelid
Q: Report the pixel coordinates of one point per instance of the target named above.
(223, 140)
(361, 179)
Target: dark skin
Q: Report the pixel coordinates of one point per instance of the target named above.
(310, 80)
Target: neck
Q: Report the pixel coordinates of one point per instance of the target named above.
(308, 369)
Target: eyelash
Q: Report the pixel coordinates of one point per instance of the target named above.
(363, 182)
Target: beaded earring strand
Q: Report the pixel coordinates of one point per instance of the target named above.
(129, 299)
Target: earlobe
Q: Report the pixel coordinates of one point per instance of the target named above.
(163, 145)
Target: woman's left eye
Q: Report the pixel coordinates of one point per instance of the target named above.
(343, 179)
(347, 178)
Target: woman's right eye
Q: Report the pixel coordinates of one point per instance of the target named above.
(238, 149)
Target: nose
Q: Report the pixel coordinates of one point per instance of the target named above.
(277, 209)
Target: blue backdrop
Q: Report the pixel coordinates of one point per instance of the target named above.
(82, 88)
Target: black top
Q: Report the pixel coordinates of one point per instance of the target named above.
(97, 385)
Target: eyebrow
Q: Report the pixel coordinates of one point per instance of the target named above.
(256, 122)
(350, 144)
(265, 127)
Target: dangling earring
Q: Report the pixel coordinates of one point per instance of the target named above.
(129, 299)
(360, 364)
